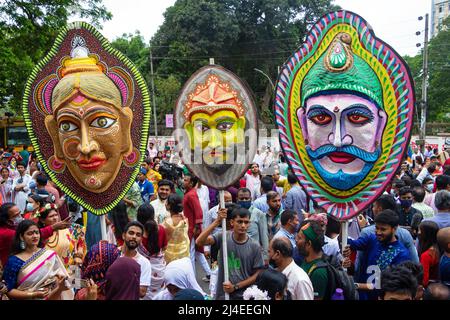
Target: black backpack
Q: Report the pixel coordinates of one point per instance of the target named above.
(337, 278)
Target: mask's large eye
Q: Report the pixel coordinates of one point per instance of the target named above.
(321, 119)
(103, 122)
(200, 126)
(225, 126)
(67, 126)
(358, 117)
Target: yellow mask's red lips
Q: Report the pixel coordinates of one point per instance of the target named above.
(93, 163)
(215, 153)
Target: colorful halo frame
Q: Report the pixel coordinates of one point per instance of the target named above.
(251, 115)
(397, 87)
(28, 95)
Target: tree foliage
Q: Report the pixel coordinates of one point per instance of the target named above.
(28, 29)
(438, 93)
(240, 35)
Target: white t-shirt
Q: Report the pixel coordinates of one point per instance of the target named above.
(153, 152)
(331, 247)
(160, 210)
(203, 197)
(253, 183)
(299, 284)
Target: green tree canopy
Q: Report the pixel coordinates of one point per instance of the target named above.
(438, 93)
(240, 35)
(27, 31)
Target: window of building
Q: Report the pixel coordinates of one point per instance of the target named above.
(17, 136)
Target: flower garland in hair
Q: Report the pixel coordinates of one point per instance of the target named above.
(254, 293)
(47, 207)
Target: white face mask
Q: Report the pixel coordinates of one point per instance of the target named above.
(17, 219)
(429, 187)
(29, 207)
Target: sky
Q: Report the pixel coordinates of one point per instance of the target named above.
(393, 21)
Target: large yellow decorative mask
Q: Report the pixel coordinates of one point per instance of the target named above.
(213, 113)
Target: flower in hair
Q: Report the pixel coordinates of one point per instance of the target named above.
(254, 293)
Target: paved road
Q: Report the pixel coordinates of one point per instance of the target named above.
(200, 273)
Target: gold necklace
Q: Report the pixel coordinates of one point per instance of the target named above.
(50, 244)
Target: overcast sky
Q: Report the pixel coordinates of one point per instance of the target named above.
(394, 21)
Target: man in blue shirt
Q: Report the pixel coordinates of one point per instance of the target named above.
(382, 249)
(385, 202)
(443, 238)
(289, 226)
(442, 203)
(295, 198)
(266, 186)
(145, 186)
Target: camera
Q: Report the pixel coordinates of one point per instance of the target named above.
(170, 171)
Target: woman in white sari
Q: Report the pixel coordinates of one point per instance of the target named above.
(179, 275)
(33, 272)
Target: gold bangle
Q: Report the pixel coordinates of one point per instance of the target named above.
(31, 294)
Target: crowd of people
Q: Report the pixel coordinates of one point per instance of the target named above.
(280, 244)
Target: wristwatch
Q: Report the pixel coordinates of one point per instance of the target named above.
(236, 287)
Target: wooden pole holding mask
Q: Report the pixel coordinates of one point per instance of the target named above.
(344, 236)
(103, 226)
(224, 242)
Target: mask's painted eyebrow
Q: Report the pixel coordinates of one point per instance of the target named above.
(318, 108)
(98, 109)
(68, 112)
(89, 111)
(200, 120)
(225, 119)
(361, 109)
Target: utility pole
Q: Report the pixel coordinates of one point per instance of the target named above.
(423, 124)
(153, 95)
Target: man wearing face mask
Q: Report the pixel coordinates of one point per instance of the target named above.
(9, 219)
(257, 229)
(397, 184)
(289, 226)
(409, 216)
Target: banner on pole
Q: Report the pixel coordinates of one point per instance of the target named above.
(169, 120)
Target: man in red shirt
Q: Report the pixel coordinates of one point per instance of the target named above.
(192, 211)
(9, 219)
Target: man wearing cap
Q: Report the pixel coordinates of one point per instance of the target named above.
(310, 240)
(145, 186)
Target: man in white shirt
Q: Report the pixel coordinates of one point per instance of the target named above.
(253, 180)
(165, 187)
(132, 239)
(152, 150)
(426, 172)
(417, 154)
(299, 284)
(203, 197)
(21, 188)
(418, 194)
(267, 158)
(258, 158)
